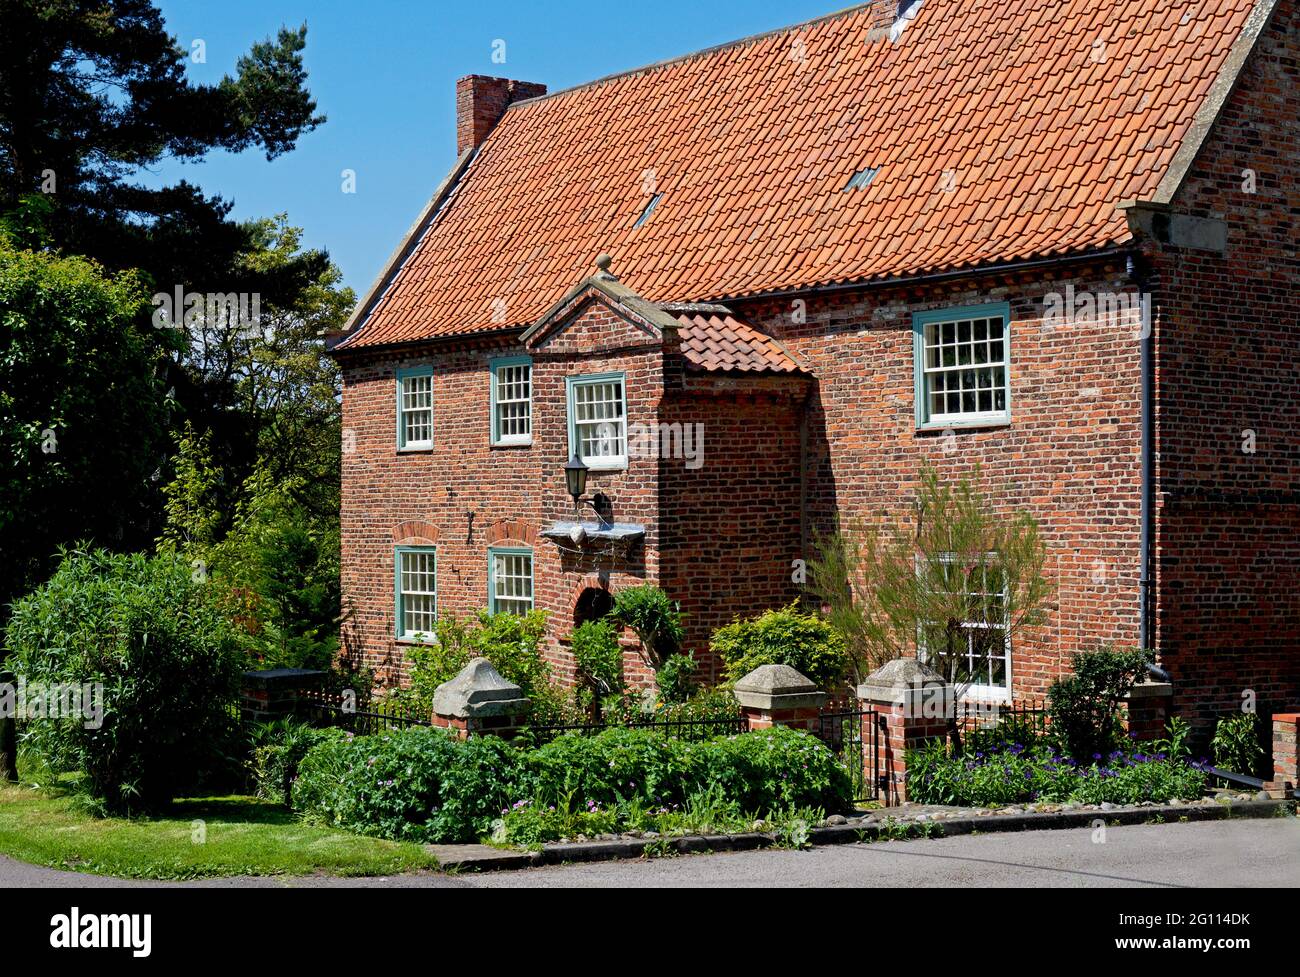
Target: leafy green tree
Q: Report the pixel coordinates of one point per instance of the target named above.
(275, 376)
(956, 576)
(92, 94)
(82, 413)
(278, 573)
(654, 617)
(193, 499)
(254, 503)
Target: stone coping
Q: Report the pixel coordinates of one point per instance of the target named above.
(883, 824)
(1150, 690)
(478, 691)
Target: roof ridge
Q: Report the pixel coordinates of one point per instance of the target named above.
(656, 65)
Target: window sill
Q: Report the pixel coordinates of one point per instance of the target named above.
(512, 444)
(596, 469)
(421, 449)
(984, 423)
(987, 696)
(417, 642)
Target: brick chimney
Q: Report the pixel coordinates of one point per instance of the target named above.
(480, 103)
(883, 13)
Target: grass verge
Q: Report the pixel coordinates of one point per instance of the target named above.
(198, 838)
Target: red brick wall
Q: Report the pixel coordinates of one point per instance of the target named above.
(722, 538)
(731, 527)
(1071, 454)
(464, 488)
(1228, 340)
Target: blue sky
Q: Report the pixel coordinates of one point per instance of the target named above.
(384, 73)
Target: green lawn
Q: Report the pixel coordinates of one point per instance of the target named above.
(237, 836)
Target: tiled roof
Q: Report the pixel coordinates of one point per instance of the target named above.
(1002, 130)
(714, 342)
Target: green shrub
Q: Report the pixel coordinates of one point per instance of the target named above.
(1016, 775)
(706, 705)
(1238, 747)
(169, 663)
(530, 823)
(653, 616)
(1084, 707)
(775, 769)
(675, 679)
(425, 786)
(420, 785)
(761, 771)
(783, 637)
(598, 656)
(511, 642)
(616, 764)
(278, 749)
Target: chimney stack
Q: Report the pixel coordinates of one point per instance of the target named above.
(480, 103)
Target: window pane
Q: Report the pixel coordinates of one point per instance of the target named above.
(512, 582)
(598, 419)
(417, 591)
(978, 642)
(417, 409)
(964, 365)
(513, 405)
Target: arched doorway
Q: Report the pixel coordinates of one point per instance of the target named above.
(592, 604)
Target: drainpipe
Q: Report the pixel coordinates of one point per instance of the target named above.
(1148, 425)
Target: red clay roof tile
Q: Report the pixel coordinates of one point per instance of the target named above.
(721, 342)
(1001, 131)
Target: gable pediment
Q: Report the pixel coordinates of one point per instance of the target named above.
(601, 312)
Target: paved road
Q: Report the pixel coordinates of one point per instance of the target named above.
(1212, 853)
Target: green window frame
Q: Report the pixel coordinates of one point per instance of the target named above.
(962, 366)
(415, 592)
(415, 408)
(511, 415)
(598, 419)
(510, 580)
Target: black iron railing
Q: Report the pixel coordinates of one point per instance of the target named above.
(855, 736)
(683, 729)
(988, 725)
(329, 709)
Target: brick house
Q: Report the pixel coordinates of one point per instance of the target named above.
(1056, 240)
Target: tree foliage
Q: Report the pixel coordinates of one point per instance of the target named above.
(168, 662)
(1084, 706)
(93, 93)
(956, 576)
(82, 413)
(654, 617)
(785, 636)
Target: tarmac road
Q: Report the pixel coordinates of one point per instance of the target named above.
(1210, 853)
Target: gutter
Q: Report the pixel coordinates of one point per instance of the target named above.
(1146, 519)
(969, 271)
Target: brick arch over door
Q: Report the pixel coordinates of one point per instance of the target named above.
(415, 532)
(592, 581)
(511, 532)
